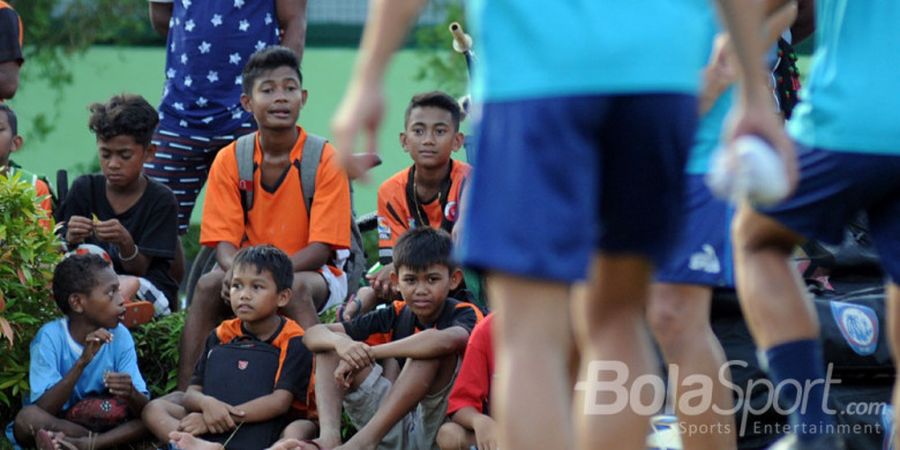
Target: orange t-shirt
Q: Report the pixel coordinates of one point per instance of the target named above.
(42, 190)
(278, 217)
(395, 217)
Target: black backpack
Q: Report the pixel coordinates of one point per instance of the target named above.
(307, 166)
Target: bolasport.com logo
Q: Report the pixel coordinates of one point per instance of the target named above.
(607, 391)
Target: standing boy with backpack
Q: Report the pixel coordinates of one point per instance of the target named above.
(317, 237)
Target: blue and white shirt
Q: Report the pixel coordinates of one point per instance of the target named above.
(208, 44)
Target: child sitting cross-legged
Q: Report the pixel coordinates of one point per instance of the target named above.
(425, 334)
(253, 368)
(86, 389)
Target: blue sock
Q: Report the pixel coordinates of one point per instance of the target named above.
(801, 361)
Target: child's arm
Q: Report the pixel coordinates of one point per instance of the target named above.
(427, 344)
(120, 385)
(328, 337)
(225, 252)
(312, 257)
(56, 397)
(266, 407)
(292, 20)
(218, 415)
(112, 231)
(483, 426)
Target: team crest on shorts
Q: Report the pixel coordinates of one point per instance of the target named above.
(451, 211)
(858, 325)
(242, 365)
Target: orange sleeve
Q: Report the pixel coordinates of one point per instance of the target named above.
(392, 212)
(330, 215)
(223, 216)
(43, 192)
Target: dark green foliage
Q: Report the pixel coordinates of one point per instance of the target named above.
(28, 254)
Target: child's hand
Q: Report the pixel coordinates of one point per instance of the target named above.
(343, 374)
(356, 354)
(226, 287)
(485, 432)
(119, 384)
(78, 229)
(381, 282)
(194, 424)
(92, 343)
(114, 232)
(219, 416)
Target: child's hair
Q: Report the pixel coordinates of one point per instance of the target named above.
(11, 118)
(269, 58)
(124, 114)
(271, 259)
(75, 275)
(422, 247)
(435, 99)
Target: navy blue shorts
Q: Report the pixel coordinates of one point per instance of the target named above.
(834, 187)
(702, 254)
(182, 163)
(558, 179)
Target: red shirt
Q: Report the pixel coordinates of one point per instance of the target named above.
(473, 383)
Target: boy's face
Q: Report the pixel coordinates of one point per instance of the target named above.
(103, 306)
(254, 295)
(430, 137)
(276, 99)
(426, 291)
(122, 159)
(9, 142)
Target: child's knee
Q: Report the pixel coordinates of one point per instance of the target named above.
(27, 423)
(451, 436)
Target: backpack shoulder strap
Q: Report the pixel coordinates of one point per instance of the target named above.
(309, 165)
(243, 150)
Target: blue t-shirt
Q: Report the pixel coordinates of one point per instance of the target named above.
(531, 48)
(208, 44)
(54, 353)
(852, 95)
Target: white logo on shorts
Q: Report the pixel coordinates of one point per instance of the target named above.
(705, 261)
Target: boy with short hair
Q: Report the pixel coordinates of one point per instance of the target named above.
(427, 193)
(126, 213)
(10, 141)
(84, 376)
(260, 285)
(425, 334)
(470, 423)
(316, 240)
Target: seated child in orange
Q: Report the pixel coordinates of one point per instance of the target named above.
(10, 141)
(426, 193)
(253, 369)
(315, 240)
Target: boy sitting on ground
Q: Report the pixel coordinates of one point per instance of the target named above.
(233, 386)
(10, 141)
(316, 239)
(130, 216)
(427, 193)
(425, 334)
(470, 423)
(86, 389)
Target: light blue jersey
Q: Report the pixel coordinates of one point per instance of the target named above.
(54, 353)
(531, 48)
(851, 101)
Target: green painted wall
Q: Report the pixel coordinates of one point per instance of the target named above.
(104, 71)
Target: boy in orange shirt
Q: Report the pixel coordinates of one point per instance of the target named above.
(10, 141)
(427, 193)
(316, 240)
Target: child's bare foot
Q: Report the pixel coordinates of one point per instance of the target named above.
(54, 440)
(187, 441)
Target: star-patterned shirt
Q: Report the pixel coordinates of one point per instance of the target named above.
(208, 44)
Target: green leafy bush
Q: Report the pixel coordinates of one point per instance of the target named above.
(28, 254)
(157, 349)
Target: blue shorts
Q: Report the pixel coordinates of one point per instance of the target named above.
(834, 187)
(702, 253)
(558, 179)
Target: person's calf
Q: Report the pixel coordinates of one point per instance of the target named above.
(32, 419)
(300, 430)
(163, 415)
(203, 314)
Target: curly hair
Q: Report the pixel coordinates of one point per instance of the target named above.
(75, 275)
(124, 114)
